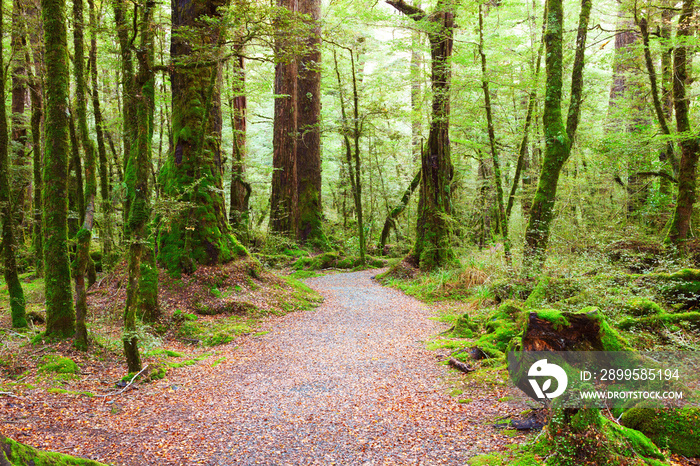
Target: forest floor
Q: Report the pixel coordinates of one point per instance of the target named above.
(350, 382)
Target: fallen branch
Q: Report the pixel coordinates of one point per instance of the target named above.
(460, 366)
(127, 385)
(8, 394)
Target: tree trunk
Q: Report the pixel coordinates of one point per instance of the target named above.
(14, 287)
(106, 230)
(239, 215)
(60, 317)
(558, 138)
(139, 216)
(34, 24)
(433, 248)
(690, 146)
(84, 236)
(284, 198)
(18, 70)
(193, 172)
(308, 149)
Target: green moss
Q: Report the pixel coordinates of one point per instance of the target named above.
(13, 453)
(674, 429)
(464, 327)
(642, 307)
(557, 318)
(70, 392)
(660, 320)
(58, 364)
(538, 295)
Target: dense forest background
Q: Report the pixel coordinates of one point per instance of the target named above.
(537, 154)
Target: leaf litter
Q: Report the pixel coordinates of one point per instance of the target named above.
(348, 383)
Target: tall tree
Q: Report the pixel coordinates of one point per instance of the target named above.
(193, 172)
(284, 210)
(140, 163)
(14, 287)
(308, 151)
(239, 214)
(84, 235)
(689, 143)
(558, 138)
(60, 316)
(18, 70)
(433, 248)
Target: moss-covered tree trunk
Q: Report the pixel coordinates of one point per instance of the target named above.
(308, 125)
(106, 227)
(84, 236)
(558, 138)
(21, 182)
(433, 248)
(34, 27)
(60, 316)
(239, 215)
(140, 163)
(199, 234)
(14, 287)
(690, 146)
(284, 211)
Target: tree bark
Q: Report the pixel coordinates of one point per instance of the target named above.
(106, 230)
(60, 317)
(433, 248)
(690, 146)
(239, 215)
(199, 234)
(284, 212)
(558, 138)
(14, 287)
(308, 126)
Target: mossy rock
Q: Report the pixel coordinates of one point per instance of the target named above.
(13, 453)
(58, 365)
(642, 307)
(322, 261)
(678, 430)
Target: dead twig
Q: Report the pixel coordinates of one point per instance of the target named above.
(459, 365)
(8, 394)
(127, 385)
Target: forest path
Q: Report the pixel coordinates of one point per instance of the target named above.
(349, 383)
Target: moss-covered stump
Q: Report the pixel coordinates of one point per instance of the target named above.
(16, 454)
(583, 436)
(677, 430)
(552, 330)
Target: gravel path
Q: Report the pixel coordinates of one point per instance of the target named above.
(349, 383)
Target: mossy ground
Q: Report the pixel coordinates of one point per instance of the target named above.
(636, 312)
